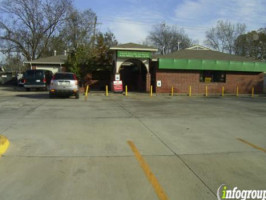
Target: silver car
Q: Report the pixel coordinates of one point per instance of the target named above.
(64, 84)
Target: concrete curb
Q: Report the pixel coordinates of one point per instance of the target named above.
(4, 144)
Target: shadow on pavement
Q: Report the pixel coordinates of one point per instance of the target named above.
(41, 96)
(12, 88)
(34, 96)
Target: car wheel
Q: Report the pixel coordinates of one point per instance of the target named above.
(77, 95)
(51, 95)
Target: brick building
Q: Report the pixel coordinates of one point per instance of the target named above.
(197, 67)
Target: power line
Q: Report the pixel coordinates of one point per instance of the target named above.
(121, 21)
(150, 22)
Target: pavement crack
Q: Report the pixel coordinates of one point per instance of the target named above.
(66, 156)
(169, 148)
(179, 157)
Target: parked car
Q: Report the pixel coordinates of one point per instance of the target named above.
(64, 84)
(20, 80)
(38, 79)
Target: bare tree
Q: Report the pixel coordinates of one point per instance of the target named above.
(14, 62)
(168, 38)
(223, 36)
(26, 26)
(80, 28)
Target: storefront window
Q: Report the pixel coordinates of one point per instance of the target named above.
(212, 76)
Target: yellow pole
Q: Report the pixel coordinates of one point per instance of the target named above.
(206, 94)
(222, 91)
(151, 91)
(237, 91)
(106, 90)
(172, 91)
(252, 92)
(86, 93)
(126, 90)
(189, 91)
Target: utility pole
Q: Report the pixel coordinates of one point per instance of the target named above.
(163, 50)
(178, 43)
(94, 31)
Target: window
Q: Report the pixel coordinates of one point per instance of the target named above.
(34, 73)
(212, 76)
(30, 73)
(64, 76)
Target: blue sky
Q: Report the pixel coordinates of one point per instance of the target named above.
(131, 20)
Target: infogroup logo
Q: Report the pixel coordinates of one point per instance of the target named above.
(224, 193)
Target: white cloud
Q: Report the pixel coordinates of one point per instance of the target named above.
(129, 31)
(133, 21)
(198, 16)
(133, 25)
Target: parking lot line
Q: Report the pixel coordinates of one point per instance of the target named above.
(153, 180)
(252, 145)
(4, 144)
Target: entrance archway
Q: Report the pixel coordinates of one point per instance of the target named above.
(132, 65)
(133, 74)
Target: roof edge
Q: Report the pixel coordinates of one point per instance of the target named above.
(134, 49)
(32, 62)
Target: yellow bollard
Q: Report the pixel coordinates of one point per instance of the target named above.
(189, 94)
(252, 92)
(206, 92)
(237, 91)
(151, 91)
(86, 93)
(106, 90)
(172, 91)
(222, 91)
(126, 90)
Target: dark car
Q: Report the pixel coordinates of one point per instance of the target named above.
(38, 79)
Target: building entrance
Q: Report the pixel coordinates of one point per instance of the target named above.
(133, 74)
(132, 66)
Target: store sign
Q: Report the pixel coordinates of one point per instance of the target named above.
(117, 77)
(133, 54)
(159, 83)
(208, 79)
(118, 86)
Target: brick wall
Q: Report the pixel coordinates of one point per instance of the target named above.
(181, 80)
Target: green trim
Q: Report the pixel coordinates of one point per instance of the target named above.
(133, 54)
(219, 65)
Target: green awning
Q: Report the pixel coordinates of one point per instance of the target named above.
(217, 65)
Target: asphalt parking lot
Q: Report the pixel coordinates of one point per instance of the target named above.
(75, 149)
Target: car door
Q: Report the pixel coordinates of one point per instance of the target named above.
(30, 77)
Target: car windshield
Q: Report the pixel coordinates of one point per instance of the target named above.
(30, 73)
(34, 73)
(64, 76)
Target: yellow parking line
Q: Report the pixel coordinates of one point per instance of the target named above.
(153, 180)
(252, 145)
(4, 144)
